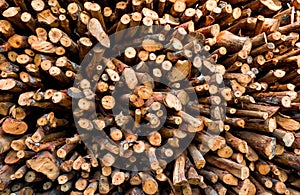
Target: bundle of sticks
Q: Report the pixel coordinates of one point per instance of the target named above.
(246, 137)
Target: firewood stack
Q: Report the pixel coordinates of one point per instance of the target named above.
(254, 52)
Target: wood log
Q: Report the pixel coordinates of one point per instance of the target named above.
(13, 14)
(45, 165)
(236, 143)
(269, 143)
(199, 161)
(149, 185)
(14, 127)
(231, 42)
(234, 168)
(224, 176)
(45, 46)
(6, 171)
(288, 159)
(268, 125)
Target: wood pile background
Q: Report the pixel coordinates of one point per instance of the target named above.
(254, 51)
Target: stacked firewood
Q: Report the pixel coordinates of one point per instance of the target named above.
(246, 137)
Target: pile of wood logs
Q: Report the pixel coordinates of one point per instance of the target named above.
(254, 148)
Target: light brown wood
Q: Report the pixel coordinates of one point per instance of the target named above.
(96, 29)
(48, 167)
(234, 168)
(247, 86)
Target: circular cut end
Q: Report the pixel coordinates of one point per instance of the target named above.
(230, 179)
(179, 6)
(150, 186)
(139, 147)
(118, 178)
(84, 123)
(147, 21)
(130, 52)
(190, 12)
(25, 17)
(85, 41)
(46, 65)
(136, 16)
(264, 169)
(241, 123)
(155, 139)
(30, 176)
(14, 127)
(60, 51)
(81, 184)
(38, 5)
(23, 59)
(20, 154)
(54, 71)
(65, 41)
(61, 153)
(73, 8)
(107, 11)
(210, 5)
(95, 7)
(125, 19)
(108, 102)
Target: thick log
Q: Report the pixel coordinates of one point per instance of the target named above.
(289, 159)
(265, 145)
(232, 167)
(45, 165)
